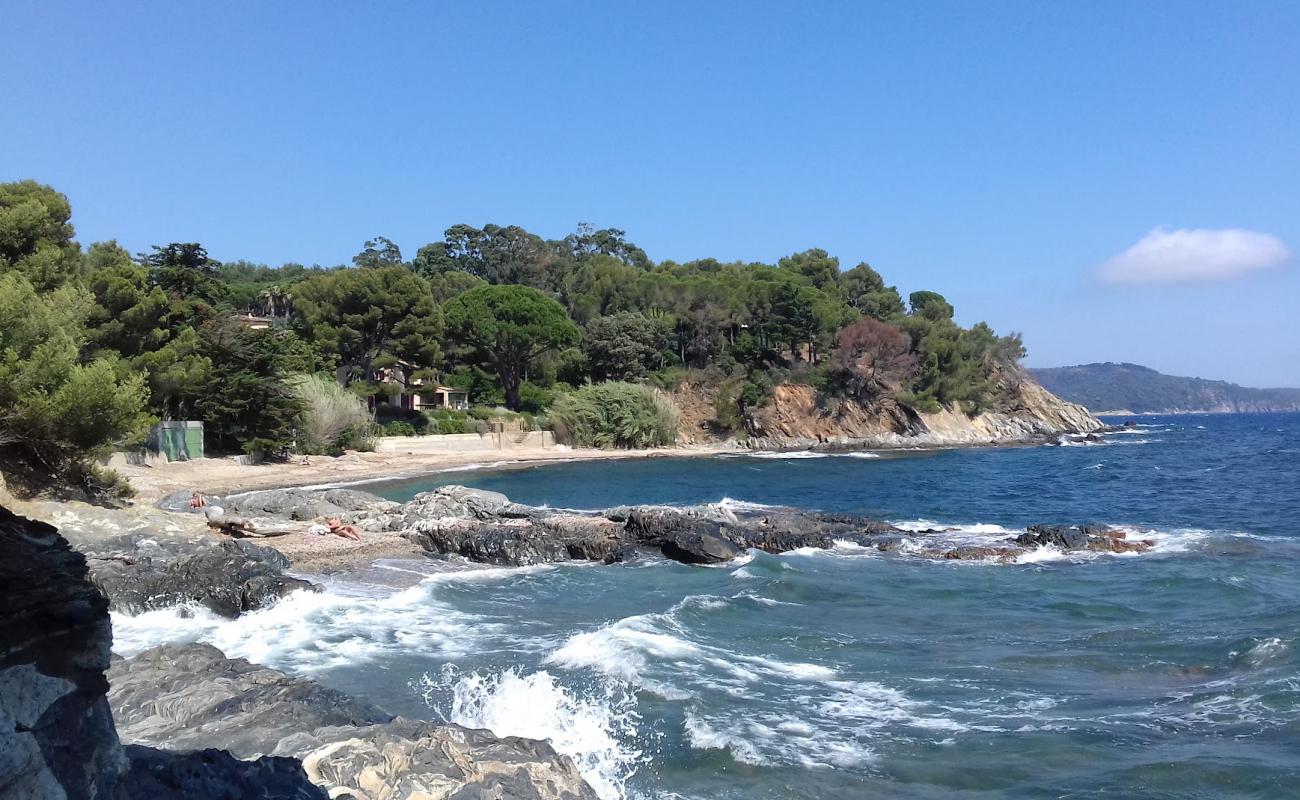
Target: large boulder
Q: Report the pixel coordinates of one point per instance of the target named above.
(302, 504)
(139, 573)
(192, 696)
(57, 738)
(485, 543)
(56, 731)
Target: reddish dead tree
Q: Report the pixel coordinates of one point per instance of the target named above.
(871, 357)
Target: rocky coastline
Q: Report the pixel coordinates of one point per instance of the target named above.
(186, 721)
(486, 527)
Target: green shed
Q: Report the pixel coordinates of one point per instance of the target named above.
(178, 440)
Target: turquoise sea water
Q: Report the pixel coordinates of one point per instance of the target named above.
(851, 673)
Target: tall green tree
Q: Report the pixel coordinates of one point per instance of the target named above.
(36, 234)
(378, 252)
(625, 346)
(369, 318)
(507, 328)
(58, 410)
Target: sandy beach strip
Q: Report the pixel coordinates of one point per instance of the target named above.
(221, 476)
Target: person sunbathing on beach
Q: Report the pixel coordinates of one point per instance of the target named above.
(197, 500)
(337, 528)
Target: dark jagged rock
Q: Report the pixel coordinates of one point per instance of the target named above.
(139, 573)
(215, 775)
(699, 547)
(57, 738)
(193, 696)
(503, 545)
(56, 731)
(1066, 537)
(1082, 537)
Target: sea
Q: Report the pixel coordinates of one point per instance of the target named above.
(851, 673)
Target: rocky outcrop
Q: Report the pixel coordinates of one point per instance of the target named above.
(1081, 537)
(139, 572)
(57, 738)
(797, 416)
(492, 530)
(194, 697)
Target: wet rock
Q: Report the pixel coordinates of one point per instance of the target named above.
(978, 553)
(683, 536)
(485, 543)
(138, 573)
(194, 697)
(699, 546)
(1066, 537)
(1081, 537)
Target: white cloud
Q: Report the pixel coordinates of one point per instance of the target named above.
(1194, 255)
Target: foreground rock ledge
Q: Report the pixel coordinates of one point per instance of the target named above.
(57, 738)
(192, 696)
(486, 527)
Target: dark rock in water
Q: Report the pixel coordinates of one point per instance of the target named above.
(57, 738)
(978, 553)
(1066, 537)
(682, 536)
(503, 545)
(1081, 537)
(192, 696)
(139, 573)
(215, 775)
(699, 546)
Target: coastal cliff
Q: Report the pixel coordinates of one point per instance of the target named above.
(797, 416)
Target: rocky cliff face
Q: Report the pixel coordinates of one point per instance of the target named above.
(797, 416)
(57, 738)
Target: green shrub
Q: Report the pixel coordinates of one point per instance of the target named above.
(397, 428)
(614, 415)
(726, 407)
(333, 419)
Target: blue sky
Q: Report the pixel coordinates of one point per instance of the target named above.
(1005, 154)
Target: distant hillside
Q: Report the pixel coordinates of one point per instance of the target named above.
(1141, 390)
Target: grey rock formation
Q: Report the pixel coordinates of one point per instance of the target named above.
(137, 572)
(57, 738)
(56, 732)
(194, 697)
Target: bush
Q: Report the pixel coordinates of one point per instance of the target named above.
(397, 428)
(610, 415)
(333, 419)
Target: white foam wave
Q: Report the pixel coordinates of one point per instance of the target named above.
(311, 631)
(474, 466)
(732, 504)
(597, 729)
(788, 454)
(703, 736)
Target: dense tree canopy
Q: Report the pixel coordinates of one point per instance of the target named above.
(497, 309)
(507, 328)
(368, 318)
